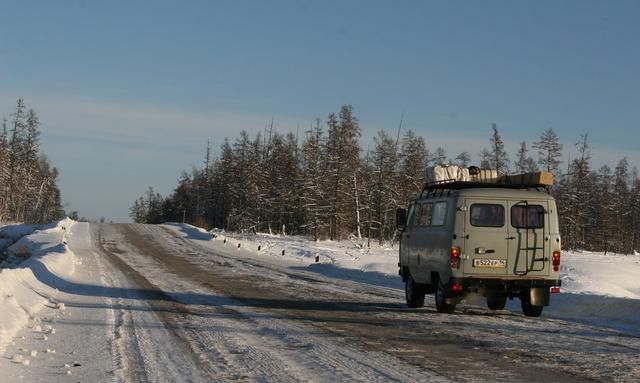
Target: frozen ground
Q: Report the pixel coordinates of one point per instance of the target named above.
(127, 303)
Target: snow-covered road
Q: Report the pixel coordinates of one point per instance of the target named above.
(155, 304)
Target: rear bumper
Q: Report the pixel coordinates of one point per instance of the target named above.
(516, 283)
(510, 288)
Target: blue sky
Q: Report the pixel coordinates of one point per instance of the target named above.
(129, 91)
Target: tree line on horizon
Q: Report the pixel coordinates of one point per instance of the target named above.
(330, 187)
(28, 189)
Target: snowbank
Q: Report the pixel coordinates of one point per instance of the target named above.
(608, 275)
(22, 295)
(599, 289)
(350, 254)
(10, 233)
(16, 231)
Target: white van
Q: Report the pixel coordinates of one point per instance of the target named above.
(499, 241)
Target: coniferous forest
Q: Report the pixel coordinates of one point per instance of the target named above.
(28, 190)
(324, 184)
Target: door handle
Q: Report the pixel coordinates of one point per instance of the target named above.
(510, 238)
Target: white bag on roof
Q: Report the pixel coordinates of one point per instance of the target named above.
(447, 173)
(485, 175)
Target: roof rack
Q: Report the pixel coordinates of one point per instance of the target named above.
(446, 186)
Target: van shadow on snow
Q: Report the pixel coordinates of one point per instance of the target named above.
(368, 277)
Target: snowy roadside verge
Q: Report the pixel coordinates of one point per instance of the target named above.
(599, 289)
(603, 290)
(22, 295)
(352, 255)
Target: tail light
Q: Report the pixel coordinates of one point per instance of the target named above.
(456, 288)
(555, 290)
(556, 260)
(455, 257)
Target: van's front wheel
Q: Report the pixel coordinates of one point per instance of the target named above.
(441, 298)
(414, 292)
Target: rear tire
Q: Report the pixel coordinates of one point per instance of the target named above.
(496, 302)
(441, 296)
(413, 292)
(528, 309)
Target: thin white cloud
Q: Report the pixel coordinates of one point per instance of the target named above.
(165, 128)
(118, 121)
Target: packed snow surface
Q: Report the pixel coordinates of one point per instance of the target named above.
(596, 288)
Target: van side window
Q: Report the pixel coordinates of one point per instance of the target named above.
(439, 213)
(413, 210)
(531, 216)
(424, 214)
(487, 215)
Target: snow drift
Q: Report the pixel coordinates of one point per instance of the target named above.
(10, 233)
(22, 295)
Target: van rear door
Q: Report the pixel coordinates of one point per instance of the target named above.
(528, 238)
(486, 247)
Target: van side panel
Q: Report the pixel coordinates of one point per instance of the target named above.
(417, 252)
(405, 236)
(435, 243)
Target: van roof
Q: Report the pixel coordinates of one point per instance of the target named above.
(505, 193)
(491, 192)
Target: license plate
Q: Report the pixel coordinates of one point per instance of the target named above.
(490, 263)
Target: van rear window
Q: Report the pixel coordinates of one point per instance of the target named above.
(527, 216)
(487, 215)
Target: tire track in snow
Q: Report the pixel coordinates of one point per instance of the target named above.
(115, 316)
(278, 351)
(146, 357)
(219, 357)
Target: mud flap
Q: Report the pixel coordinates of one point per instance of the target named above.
(539, 296)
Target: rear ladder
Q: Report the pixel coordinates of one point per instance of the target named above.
(530, 252)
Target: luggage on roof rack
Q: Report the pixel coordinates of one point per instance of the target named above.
(455, 173)
(535, 178)
(453, 177)
(447, 173)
